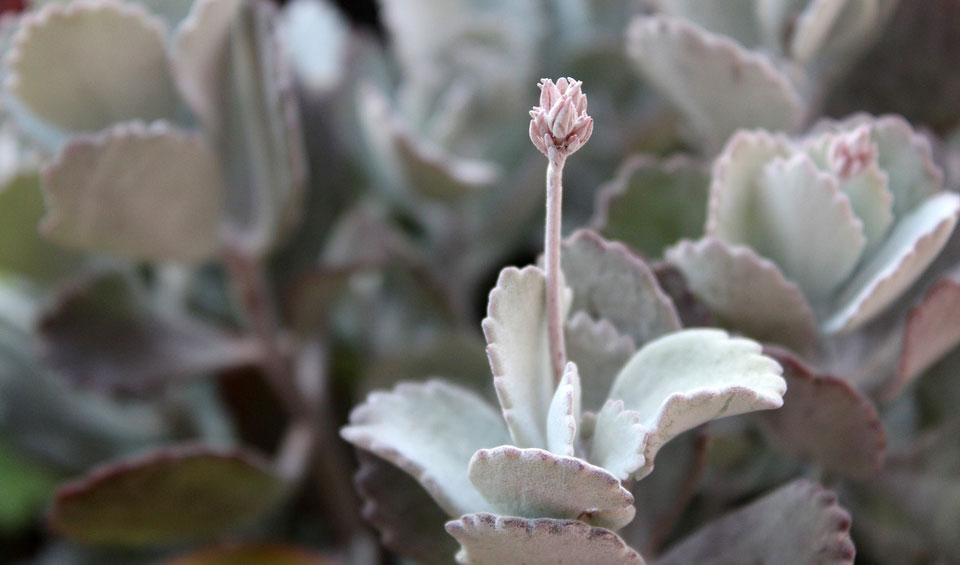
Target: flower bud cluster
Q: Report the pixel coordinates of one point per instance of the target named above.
(560, 124)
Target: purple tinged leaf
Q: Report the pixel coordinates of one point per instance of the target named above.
(252, 554)
(826, 420)
(801, 520)
(609, 282)
(168, 495)
(103, 332)
(746, 292)
(486, 539)
(409, 521)
(931, 332)
(912, 245)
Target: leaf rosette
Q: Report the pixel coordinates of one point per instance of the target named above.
(817, 235)
(561, 450)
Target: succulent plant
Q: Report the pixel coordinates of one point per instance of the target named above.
(225, 222)
(831, 228)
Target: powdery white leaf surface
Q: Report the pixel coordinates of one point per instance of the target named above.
(834, 32)
(430, 430)
(599, 352)
(424, 168)
(487, 539)
(903, 154)
(808, 226)
(733, 189)
(681, 381)
(534, 483)
(564, 413)
(746, 292)
(931, 332)
(826, 420)
(913, 244)
(718, 85)
(516, 333)
(141, 191)
(409, 521)
(170, 494)
(652, 204)
(610, 282)
(86, 65)
(199, 55)
(801, 520)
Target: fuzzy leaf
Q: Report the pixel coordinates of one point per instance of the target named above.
(147, 192)
(610, 282)
(903, 154)
(912, 245)
(86, 65)
(430, 430)
(103, 332)
(599, 352)
(564, 413)
(199, 52)
(809, 228)
(486, 539)
(931, 332)
(746, 292)
(801, 520)
(652, 204)
(679, 382)
(826, 420)
(425, 169)
(409, 521)
(516, 332)
(535, 483)
(168, 495)
(734, 187)
(718, 85)
(259, 554)
(231, 69)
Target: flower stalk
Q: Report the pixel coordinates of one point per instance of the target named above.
(558, 128)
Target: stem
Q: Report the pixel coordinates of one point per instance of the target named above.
(551, 246)
(251, 284)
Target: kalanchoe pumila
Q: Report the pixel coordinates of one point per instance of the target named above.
(834, 226)
(552, 460)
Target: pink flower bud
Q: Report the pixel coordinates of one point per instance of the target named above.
(560, 124)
